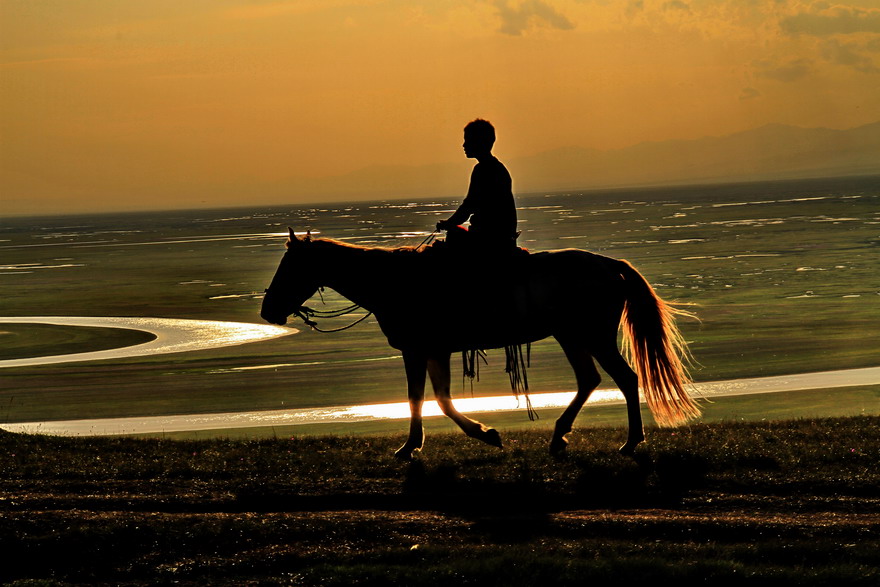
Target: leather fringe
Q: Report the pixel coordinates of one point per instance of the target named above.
(516, 365)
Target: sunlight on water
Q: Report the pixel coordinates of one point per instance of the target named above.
(19, 268)
(503, 403)
(400, 410)
(276, 366)
(273, 236)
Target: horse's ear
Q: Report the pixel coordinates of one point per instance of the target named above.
(308, 235)
(293, 240)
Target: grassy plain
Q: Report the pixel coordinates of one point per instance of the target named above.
(761, 503)
(19, 341)
(783, 277)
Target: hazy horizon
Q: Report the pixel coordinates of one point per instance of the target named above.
(597, 192)
(227, 103)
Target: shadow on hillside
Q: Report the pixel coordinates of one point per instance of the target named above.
(627, 483)
(458, 488)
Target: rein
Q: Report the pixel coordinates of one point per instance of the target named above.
(306, 314)
(427, 240)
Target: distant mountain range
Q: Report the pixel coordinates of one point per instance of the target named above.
(774, 151)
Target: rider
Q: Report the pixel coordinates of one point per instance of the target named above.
(489, 202)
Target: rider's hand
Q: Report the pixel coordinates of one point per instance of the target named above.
(443, 225)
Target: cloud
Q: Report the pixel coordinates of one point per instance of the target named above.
(794, 70)
(749, 94)
(515, 20)
(676, 5)
(268, 10)
(822, 20)
(847, 55)
(634, 7)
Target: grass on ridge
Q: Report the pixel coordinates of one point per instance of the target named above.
(759, 503)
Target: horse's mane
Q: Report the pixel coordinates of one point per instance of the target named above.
(337, 243)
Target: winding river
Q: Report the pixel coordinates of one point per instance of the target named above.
(174, 336)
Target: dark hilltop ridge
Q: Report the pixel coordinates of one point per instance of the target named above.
(784, 502)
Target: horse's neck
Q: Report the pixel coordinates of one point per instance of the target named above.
(358, 274)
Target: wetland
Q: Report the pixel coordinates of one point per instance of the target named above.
(782, 275)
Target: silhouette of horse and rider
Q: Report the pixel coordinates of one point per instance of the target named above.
(514, 298)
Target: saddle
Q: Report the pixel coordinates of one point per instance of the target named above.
(462, 245)
(492, 307)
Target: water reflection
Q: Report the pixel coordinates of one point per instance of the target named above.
(504, 403)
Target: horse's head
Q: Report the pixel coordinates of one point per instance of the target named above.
(294, 282)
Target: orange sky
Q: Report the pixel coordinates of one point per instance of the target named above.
(128, 105)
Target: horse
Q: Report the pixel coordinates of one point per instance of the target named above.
(578, 297)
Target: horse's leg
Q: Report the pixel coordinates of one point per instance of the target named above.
(628, 382)
(587, 378)
(415, 365)
(438, 370)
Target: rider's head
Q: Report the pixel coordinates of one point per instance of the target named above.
(479, 136)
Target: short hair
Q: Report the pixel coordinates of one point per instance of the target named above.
(481, 130)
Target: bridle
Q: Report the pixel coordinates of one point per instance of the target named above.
(306, 314)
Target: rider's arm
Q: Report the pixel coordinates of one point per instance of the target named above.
(465, 209)
(461, 215)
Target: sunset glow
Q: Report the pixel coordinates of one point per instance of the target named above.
(168, 104)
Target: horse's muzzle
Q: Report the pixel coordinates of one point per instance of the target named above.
(279, 320)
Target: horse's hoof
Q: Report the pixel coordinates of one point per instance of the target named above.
(629, 449)
(405, 453)
(491, 436)
(558, 445)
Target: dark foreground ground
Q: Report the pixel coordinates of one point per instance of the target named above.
(793, 502)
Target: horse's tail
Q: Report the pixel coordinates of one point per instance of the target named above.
(656, 349)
